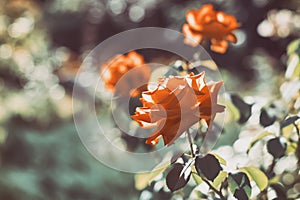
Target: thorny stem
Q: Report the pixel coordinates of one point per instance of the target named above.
(191, 143)
(214, 189)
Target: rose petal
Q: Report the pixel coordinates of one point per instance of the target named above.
(219, 46)
(192, 38)
(174, 110)
(191, 18)
(231, 37)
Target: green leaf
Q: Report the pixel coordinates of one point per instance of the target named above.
(233, 111)
(293, 66)
(142, 180)
(277, 147)
(287, 131)
(241, 194)
(178, 176)
(291, 147)
(195, 176)
(209, 166)
(265, 118)
(219, 179)
(289, 121)
(243, 107)
(257, 176)
(257, 138)
(233, 185)
(196, 193)
(293, 63)
(274, 180)
(221, 160)
(293, 46)
(239, 185)
(248, 190)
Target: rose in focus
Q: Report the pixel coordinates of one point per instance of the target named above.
(174, 104)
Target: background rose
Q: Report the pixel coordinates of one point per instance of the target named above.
(118, 66)
(206, 23)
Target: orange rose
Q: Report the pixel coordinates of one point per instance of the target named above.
(206, 23)
(118, 66)
(176, 104)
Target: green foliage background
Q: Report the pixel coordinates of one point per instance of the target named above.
(42, 44)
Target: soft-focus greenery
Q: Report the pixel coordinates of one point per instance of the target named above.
(42, 44)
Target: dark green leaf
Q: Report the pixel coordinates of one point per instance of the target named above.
(243, 107)
(293, 47)
(239, 185)
(280, 190)
(175, 157)
(220, 159)
(178, 177)
(288, 121)
(240, 194)
(241, 179)
(209, 166)
(298, 152)
(276, 147)
(265, 118)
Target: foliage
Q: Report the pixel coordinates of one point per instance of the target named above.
(257, 155)
(263, 178)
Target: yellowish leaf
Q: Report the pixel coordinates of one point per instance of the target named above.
(142, 180)
(257, 176)
(219, 179)
(220, 159)
(195, 176)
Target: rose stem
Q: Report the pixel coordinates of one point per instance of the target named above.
(191, 143)
(214, 189)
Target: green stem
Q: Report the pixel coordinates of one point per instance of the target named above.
(191, 143)
(214, 189)
(297, 129)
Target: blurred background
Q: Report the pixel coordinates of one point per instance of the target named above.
(42, 45)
